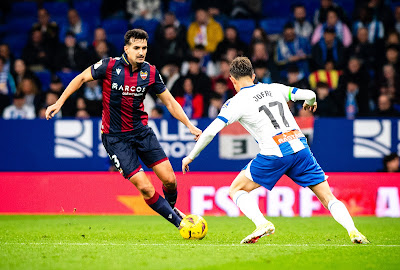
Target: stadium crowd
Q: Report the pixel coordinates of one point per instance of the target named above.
(348, 54)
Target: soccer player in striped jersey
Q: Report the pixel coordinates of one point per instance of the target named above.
(125, 134)
(263, 111)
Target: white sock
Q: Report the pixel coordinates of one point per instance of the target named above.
(249, 207)
(341, 214)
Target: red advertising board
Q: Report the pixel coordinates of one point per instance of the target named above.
(201, 193)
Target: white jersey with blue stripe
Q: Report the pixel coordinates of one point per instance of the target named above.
(263, 111)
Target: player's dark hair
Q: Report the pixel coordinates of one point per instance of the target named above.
(241, 67)
(135, 34)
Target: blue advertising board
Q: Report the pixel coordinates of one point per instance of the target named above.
(75, 145)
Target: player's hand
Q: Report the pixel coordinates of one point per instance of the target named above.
(312, 108)
(52, 110)
(196, 132)
(185, 164)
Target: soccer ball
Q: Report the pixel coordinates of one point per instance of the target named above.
(193, 227)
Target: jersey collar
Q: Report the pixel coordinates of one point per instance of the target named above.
(125, 59)
(247, 87)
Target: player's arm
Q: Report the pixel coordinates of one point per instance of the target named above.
(208, 135)
(295, 94)
(73, 86)
(176, 111)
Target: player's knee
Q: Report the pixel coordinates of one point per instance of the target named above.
(146, 190)
(170, 182)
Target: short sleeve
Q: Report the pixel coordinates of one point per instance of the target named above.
(230, 112)
(158, 87)
(286, 91)
(99, 69)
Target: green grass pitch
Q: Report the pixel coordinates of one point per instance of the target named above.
(149, 242)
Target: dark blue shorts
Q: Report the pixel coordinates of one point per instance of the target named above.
(126, 148)
(301, 167)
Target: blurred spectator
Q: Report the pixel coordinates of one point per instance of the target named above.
(191, 102)
(296, 79)
(168, 20)
(259, 35)
(321, 14)
(263, 75)
(397, 17)
(391, 163)
(293, 49)
(7, 86)
(8, 57)
(76, 25)
(48, 28)
(7, 83)
(143, 9)
(56, 86)
(355, 71)
(92, 96)
(362, 49)
(101, 35)
(50, 99)
(224, 74)
(389, 83)
(170, 47)
(156, 113)
(82, 114)
(204, 31)
(246, 9)
(206, 64)
(100, 52)
(343, 32)
(328, 75)
(71, 56)
(385, 107)
(171, 75)
(353, 100)
(31, 92)
(37, 54)
(21, 72)
(221, 88)
(392, 57)
(393, 38)
(302, 27)
(19, 109)
(376, 31)
(326, 103)
(231, 39)
(328, 49)
(216, 103)
(382, 12)
(201, 81)
(259, 52)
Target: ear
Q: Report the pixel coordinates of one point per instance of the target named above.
(125, 49)
(253, 77)
(233, 80)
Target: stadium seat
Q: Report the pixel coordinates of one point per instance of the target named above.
(20, 25)
(16, 42)
(277, 8)
(117, 40)
(87, 9)
(45, 79)
(245, 28)
(149, 26)
(23, 9)
(66, 77)
(181, 9)
(273, 25)
(56, 9)
(115, 26)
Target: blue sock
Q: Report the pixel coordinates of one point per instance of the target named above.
(161, 206)
(170, 196)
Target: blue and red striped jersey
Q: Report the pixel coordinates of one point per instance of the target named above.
(124, 92)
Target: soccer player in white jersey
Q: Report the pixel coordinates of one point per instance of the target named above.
(262, 110)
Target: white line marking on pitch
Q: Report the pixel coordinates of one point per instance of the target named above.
(215, 245)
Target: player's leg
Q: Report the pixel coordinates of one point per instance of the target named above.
(153, 198)
(167, 176)
(338, 211)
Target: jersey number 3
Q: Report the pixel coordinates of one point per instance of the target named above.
(271, 116)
